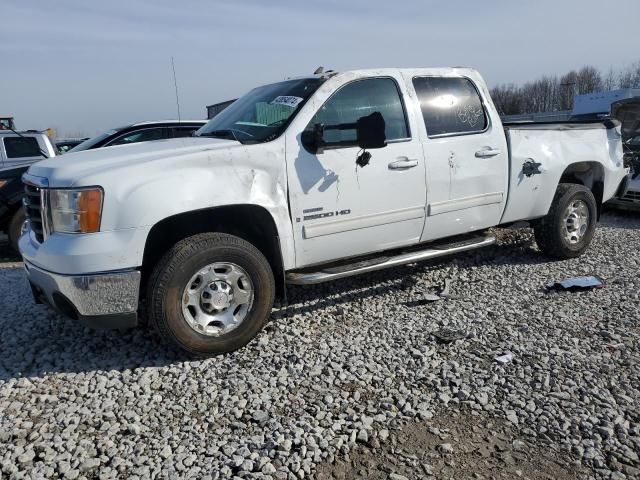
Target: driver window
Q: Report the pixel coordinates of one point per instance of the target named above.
(359, 99)
(145, 135)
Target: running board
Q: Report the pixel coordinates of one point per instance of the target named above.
(365, 266)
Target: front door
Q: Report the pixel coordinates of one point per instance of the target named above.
(466, 156)
(342, 209)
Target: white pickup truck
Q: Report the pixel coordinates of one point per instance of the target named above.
(303, 181)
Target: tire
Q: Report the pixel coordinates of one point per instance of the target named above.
(559, 234)
(187, 271)
(14, 229)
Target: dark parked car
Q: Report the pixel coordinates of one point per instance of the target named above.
(18, 150)
(141, 132)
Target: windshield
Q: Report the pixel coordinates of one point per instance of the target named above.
(262, 114)
(87, 144)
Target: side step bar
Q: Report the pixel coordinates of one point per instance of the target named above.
(348, 270)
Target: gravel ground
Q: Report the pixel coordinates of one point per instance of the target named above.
(344, 377)
(454, 445)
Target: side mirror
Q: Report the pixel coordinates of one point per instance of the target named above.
(313, 140)
(370, 131)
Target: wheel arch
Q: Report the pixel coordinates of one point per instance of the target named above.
(591, 174)
(252, 223)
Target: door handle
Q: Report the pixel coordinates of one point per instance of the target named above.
(403, 163)
(488, 152)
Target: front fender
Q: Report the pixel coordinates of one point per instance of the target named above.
(254, 175)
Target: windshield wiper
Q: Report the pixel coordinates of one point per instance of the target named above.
(226, 133)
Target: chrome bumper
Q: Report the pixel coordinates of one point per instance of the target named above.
(103, 300)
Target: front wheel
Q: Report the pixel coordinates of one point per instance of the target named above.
(211, 294)
(567, 230)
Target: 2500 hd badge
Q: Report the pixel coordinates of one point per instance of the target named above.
(316, 216)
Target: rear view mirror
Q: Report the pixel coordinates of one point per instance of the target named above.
(370, 131)
(313, 139)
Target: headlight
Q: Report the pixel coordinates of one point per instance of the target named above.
(3, 182)
(75, 211)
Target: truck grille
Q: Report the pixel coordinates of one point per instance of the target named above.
(32, 202)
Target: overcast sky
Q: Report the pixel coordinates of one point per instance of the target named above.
(86, 66)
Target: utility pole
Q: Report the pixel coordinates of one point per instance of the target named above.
(575, 91)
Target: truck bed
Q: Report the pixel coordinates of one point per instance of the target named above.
(554, 145)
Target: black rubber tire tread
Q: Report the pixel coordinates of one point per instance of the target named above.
(165, 286)
(548, 230)
(14, 227)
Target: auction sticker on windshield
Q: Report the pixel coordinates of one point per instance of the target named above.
(288, 100)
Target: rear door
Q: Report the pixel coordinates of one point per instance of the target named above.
(466, 156)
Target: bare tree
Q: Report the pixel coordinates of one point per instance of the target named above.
(589, 80)
(568, 88)
(551, 93)
(508, 99)
(610, 80)
(630, 76)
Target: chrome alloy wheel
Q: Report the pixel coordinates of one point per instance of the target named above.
(217, 299)
(575, 221)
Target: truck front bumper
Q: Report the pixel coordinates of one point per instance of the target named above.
(101, 300)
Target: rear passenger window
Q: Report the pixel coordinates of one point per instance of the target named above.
(450, 105)
(19, 147)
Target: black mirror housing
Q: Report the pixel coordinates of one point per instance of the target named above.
(313, 140)
(370, 131)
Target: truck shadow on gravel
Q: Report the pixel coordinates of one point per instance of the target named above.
(623, 219)
(520, 251)
(49, 344)
(37, 341)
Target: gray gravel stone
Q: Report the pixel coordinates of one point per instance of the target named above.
(445, 448)
(260, 416)
(396, 476)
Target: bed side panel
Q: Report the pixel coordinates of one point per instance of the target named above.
(555, 149)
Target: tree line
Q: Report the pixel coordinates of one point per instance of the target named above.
(552, 93)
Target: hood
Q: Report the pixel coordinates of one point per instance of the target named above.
(628, 113)
(66, 170)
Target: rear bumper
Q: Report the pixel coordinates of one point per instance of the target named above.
(102, 300)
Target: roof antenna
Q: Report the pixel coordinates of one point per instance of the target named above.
(319, 70)
(175, 84)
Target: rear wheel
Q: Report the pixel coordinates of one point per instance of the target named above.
(211, 294)
(17, 226)
(567, 230)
